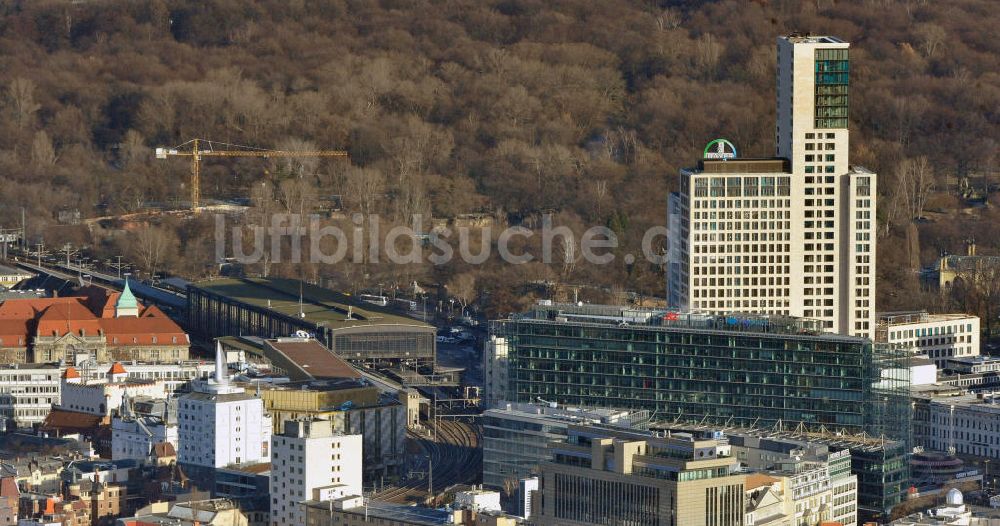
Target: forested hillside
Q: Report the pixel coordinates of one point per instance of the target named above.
(586, 109)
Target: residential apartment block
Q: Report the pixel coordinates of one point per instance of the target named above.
(310, 462)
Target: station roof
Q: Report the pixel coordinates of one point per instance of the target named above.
(311, 358)
(320, 306)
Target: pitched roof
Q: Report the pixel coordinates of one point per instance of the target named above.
(8, 487)
(99, 300)
(164, 449)
(71, 372)
(64, 420)
(117, 368)
(28, 308)
(152, 311)
(67, 317)
(312, 360)
(20, 319)
(142, 330)
(13, 333)
(756, 480)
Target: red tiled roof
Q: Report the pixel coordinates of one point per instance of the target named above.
(20, 319)
(28, 308)
(152, 311)
(99, 300)
(63, 420)
(13, 333)
(64, 318)
(71, 372)
(142, 330)
(117, 368)
(8, 487)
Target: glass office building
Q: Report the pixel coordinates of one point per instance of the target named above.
(730, 370)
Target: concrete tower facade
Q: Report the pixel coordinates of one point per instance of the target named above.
(791, 235)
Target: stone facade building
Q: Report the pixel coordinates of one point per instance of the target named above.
(111, 327)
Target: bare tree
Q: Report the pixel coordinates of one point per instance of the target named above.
(932, 37)
(152, 245)
(134, 150)
(914, 183)
(21, 92)
(365, 186)
(463, 288)
(43, 154)
(600, 194)
(668, 19)
(708, 51)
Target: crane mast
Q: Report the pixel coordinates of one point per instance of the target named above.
(196, 153)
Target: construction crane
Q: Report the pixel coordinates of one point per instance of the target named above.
(195, 149)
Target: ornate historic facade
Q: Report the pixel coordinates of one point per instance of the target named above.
(109, 327)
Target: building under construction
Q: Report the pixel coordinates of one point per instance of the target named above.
(361, 333)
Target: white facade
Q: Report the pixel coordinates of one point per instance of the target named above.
(495, 369)
(134, 437)
(968, 424)
(310, 462)
(103, 398)
(939, 336)
(222, 425)
(172, 374)
(27, 394)
(478, 500)
(794, 237)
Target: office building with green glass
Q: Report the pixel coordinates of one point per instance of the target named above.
(721, 369)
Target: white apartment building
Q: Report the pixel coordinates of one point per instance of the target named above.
(790, 235)
(222, 425)
(939, 336)
(27, 393)
(310, 462)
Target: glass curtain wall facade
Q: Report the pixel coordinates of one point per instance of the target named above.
(832, 76)
(731, 370)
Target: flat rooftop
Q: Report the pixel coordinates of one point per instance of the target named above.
(568, 414)
(775, 165)
(797, 38)
(394, 512)
(892, 319)
(668, 320)
(319, 305)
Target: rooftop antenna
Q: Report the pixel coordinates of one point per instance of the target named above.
(301, 314)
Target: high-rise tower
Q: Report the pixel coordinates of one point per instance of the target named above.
(794, 234)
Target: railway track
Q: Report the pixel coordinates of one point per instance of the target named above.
(456, 456)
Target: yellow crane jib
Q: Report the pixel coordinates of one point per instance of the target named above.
(193, 150)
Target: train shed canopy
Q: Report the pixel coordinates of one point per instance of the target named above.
(275, 307)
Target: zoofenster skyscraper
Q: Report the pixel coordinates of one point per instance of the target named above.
(793, 234)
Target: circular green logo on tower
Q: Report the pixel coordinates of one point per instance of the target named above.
(720, 149)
